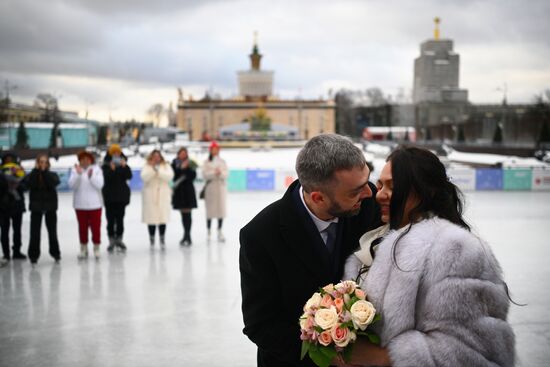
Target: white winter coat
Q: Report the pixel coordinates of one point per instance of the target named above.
(216, 191)
(87, 190)
(447, 306)
(156, 193)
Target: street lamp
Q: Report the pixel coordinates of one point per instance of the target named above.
(7, 88)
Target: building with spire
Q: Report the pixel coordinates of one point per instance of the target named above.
(256, 113)
(441, 105)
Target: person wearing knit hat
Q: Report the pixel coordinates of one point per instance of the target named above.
(86, 180)
(114, 149)
(215, 172)
(116, 195)
(13, 206)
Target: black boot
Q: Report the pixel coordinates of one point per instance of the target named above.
(186, 219)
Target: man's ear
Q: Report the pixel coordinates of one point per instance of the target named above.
(317, 197)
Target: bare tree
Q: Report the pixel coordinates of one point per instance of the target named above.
(155, 112)
(376, 96)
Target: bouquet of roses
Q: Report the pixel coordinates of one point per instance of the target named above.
(332, 319)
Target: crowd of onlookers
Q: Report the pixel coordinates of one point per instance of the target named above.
(105, 185)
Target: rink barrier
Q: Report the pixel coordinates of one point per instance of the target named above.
(467, 179)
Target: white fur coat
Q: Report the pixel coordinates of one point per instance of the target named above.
(447, 306)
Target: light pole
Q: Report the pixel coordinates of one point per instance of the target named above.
(7, 88)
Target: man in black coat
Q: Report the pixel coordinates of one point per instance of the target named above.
(299, 243)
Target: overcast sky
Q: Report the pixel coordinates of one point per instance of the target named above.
(122, 56)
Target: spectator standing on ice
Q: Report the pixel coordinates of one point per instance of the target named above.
(156, 176)
(86, 180)
(116, 195)
(42, 185)
(13, 206)
(215, 172)
(184, 198)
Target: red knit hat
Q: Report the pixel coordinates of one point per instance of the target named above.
(214, 144)
(84, 153)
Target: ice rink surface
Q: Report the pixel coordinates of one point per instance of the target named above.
(181, 306)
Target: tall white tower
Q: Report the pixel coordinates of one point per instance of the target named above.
(255, 84)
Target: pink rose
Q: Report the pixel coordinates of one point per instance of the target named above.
(339, 303)
(359, 293)
(325, 338)
(341, 335)
(327, 301)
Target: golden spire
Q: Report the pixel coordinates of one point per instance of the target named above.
(255, 56)
(437, 20)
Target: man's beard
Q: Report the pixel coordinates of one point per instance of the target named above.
(335, 210)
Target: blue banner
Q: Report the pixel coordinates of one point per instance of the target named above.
(488, 179)
(260, 179)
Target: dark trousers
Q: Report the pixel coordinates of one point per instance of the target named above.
(115, 219)
(186, 221)
(152, 229)
(36, 226)
(15, 219)
(209, 223)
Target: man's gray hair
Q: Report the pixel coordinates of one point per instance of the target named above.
(322, 156)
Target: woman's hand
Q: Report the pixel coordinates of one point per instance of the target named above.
(367, 354)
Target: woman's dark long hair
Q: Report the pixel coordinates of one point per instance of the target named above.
(418, 172)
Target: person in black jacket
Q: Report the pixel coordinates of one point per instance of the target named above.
(3, 204)
(184, 198)
(116, 195)
(42, 184)
(299, 243)
(14, 206)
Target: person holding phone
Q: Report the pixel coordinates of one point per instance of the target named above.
(116, 195)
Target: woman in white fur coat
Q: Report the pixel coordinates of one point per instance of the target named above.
(156, 195)
(438, 287)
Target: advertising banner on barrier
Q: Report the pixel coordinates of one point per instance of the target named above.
(540, 179)
(63, 179)
(464, 178)
(136, 184)
(517, 179)
(261, 179)
(488, 179)
(236, 181)
(283, 179)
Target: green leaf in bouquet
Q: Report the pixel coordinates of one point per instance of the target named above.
(373, 338)
(322, 356)
(305, 349)
(377, 317)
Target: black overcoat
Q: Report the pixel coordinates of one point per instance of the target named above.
(283, 261)
(115, 188)
(42, 190)
(184, 196)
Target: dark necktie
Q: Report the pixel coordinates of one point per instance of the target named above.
(331, 236)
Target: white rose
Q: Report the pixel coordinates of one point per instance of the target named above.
(314, 301)
(362, 313)
(326, 318)
(303, 321)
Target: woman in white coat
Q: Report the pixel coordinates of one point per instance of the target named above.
(214, 171)
(156, 195)
(438, 287)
